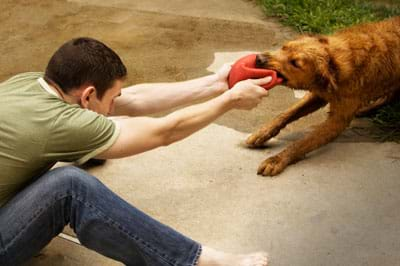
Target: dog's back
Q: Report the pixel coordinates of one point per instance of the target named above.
(372, 59)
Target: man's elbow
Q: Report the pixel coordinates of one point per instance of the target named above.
(168, 138)
(169, 133)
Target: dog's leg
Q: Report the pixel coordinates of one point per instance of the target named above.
(323, 134)
(395, 94)
(373, 106)
(308, 104)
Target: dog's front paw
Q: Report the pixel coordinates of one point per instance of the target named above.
(258, 138)
(272, 166)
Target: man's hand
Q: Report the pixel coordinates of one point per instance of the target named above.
(222, 77)
(247, 94)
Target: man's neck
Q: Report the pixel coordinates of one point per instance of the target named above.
(62, 95)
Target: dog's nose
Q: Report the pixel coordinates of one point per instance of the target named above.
(261, 60)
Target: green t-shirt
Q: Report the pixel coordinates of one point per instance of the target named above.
(38, 129)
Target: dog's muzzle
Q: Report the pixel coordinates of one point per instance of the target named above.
(261, 61)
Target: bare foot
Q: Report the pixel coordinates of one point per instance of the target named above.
(211, 257)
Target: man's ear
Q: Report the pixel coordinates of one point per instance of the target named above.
(88, 95)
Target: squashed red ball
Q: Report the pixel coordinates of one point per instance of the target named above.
(245, 68)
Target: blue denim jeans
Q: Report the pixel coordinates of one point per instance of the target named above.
(101, 220)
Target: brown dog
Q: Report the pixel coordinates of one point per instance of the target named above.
(350, 70)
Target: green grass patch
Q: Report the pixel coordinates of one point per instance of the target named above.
(327, 16)
(388, 119)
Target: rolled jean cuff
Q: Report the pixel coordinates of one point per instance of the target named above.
(197, 255)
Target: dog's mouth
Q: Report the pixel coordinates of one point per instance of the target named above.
(279, 75)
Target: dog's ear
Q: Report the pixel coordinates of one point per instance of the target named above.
(327, 73)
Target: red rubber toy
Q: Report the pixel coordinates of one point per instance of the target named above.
(245, 68)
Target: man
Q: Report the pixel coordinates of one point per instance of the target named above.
(61, 116)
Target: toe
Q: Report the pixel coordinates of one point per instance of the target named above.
(261, 168)
(269, 170)
(271, 166)
(258, 142)
(252, 142)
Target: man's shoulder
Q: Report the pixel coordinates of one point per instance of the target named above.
(23, 77)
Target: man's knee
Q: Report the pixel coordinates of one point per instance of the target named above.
(72, 176)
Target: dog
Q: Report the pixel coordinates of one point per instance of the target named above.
(353, 70)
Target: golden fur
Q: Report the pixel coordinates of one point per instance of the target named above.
(349, 70)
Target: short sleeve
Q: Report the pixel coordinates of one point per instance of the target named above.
(80, 134)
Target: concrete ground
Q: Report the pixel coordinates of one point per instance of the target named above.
(337, 207)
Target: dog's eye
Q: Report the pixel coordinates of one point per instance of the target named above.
(295, 63)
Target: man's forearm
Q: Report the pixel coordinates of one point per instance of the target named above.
(245, 95)
(144, 99)
(139, 134)
(185, 122)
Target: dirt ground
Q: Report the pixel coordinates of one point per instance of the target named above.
(155, 47)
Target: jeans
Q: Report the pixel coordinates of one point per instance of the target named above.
(101, 220)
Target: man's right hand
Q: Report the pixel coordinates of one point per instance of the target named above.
(247, 94)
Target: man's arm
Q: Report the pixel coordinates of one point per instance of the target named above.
(139, 134)
(145, 99)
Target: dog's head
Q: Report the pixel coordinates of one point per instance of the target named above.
(304, 63)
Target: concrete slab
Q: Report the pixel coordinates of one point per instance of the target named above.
(338, 207)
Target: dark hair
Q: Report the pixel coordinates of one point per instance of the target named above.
(83, 61)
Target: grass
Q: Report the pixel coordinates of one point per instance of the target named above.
(327, 16)
(388, 119)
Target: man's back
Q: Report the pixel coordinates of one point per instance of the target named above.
(37, 129)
